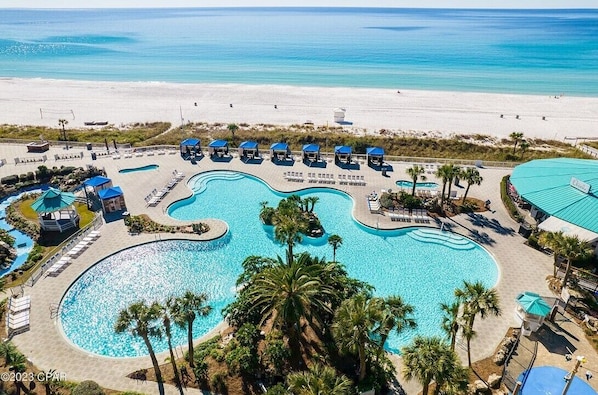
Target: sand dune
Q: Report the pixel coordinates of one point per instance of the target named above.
(43, 102)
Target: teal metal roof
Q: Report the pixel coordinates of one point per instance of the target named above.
(533, 303)
(53, 200)
(546, 183)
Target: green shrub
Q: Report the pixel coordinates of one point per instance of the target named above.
(241, 359)
(247, 335)
(88, 388)
(532, 241)
(218, 382)
(10, 180)
(506, 199)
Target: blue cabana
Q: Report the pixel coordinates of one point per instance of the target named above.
(279, 151)
(190, 147)
(342, 153)
(218, 147)
(375, 156)
(248, 150)
(98, 183)
(112, 199)
(311, 152)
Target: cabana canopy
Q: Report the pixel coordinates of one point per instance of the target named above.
(279, 147)
(249, 145)
(97, 181)
(533, 303)
(218, 147)
(311, 148)
(218, 144)
(110, 193)
(53, 200)
(375, 151)
(190, 146)
(342, 150)
(248, 150)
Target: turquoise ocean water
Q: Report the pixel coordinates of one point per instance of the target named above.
(510, 51)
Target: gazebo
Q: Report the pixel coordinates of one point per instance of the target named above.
(218, 148)
(56, 210)
(342, 154)
(112, 199)
(248, 150)
(279, 152)
(190, 147)
(375, 156)
(531, 310)
(311, 153)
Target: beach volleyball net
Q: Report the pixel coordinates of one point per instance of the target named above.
(49, 113)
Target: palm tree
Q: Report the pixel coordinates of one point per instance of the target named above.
(416, 173)
(422, 360)
(471, 176)
(450, 321)
(319, 380)
(166, 316)
(139, 320)
(335, 241)
(185, 310)
(396, 315)
(288, 230)
(290, 294)
(523, 146)
(453, 172)
(476, 299)
(572, 249)
(232, 128)
(516, 137)
(313, 200)
(554, 241)
(63, 123)
(353, 323)
(444, 173)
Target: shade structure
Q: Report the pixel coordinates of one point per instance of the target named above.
(97, 181)
(374, 151)
(279, 147)
(249, 145)
(190, 147)
(110, 193)
(53, 200)
(190, 142)
(564, 188)
(311, 148)
(532, 303)
(218, 144)
(342, 150)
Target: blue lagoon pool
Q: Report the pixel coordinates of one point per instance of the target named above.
(403, 262)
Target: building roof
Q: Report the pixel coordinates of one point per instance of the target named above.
(548, 184)
(53, 200)
(97, 181)
(110, 193)
(533, 303)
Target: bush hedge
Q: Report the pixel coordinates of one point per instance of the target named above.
(506, 199)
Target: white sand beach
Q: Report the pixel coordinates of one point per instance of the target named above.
(432, 113)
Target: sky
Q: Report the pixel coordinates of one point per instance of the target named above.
(304, 3)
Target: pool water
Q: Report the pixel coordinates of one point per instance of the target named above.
(136, 169)
(392, 261)
(409, 184)
(23, 243)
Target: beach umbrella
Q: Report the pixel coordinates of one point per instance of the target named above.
(533, 303)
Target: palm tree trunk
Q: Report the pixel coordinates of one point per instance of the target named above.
(448, 194)
(177, 377)
(190, 343)
(150, 349)
(438, 386)
(413, 188)
(361, 362)
(333, 254)
(290, 253)
(453, 340)
(469, 352)
(443, 190)
(426, 388)
(466, 192)
(567, 270)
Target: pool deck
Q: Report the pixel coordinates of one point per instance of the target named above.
(521, 268)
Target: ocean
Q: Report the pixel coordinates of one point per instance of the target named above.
(501, 51)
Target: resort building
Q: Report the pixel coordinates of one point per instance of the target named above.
(560, 194)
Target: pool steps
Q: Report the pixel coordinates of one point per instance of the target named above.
(201, 182)
(446, 239)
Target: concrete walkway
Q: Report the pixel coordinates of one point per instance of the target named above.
(521, 268)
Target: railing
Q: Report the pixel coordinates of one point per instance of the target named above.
(56, 253)
(519, 362)
(588, 150)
